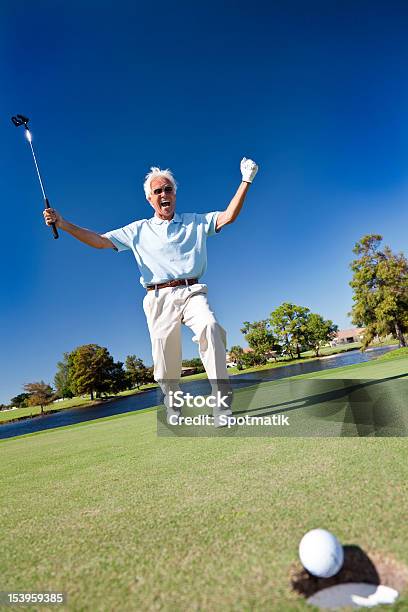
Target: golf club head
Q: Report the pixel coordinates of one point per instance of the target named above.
(20, 120)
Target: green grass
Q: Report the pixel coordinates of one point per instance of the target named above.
(401, 352)
(120, 519)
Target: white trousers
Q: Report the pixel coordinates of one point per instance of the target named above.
(166, 310)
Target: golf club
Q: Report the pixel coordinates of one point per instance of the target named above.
(21, 120)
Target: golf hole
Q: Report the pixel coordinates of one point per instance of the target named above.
(365, 580)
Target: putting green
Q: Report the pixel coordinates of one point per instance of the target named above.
(120, 519)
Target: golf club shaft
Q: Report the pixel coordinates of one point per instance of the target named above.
(46, 202)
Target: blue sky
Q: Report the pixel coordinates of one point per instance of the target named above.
(316, 93)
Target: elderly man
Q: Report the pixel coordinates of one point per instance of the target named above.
(170, 250)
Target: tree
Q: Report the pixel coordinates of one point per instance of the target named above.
(91, 370)
(149, 375)
(261, 340)
(136, 371)
(289, 324)
(319, 332)
(236, 353)
(39, 394)
(62, 378)
(380, 285)
(118, 378)
(250, 359)
(20, 401)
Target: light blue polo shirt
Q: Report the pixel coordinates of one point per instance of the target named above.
(167, 250)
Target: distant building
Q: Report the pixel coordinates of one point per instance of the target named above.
(230, 360)
(187, 371)
(347, 336)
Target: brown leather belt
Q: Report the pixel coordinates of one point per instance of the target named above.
(173, 283)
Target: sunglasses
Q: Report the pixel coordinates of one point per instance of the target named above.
(166, 189)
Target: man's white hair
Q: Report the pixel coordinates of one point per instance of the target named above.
(155, 173)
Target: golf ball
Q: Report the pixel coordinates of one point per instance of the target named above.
(320, 553)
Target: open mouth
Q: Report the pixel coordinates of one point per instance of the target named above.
(165, 204)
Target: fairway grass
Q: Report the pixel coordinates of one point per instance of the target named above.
(401, 352)
(120, 519)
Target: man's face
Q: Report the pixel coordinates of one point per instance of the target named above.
(162, 197)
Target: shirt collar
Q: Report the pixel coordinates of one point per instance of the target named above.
(158, 221)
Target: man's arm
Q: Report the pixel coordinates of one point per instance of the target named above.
(84, 235)
(234, 207)
(248, 170)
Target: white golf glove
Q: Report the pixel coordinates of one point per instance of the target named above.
(248, 170)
